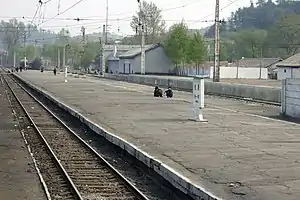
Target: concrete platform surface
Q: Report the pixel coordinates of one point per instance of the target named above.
(18, 177)
(262, 82)
(241, 153)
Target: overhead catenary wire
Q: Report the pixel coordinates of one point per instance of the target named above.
(227, 5)
(69, 8)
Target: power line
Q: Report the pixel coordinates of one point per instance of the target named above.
(229, 4)
(62, 12)
(36, 11)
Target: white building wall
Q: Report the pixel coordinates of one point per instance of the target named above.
(243, 72)
(295, 72)
(290, 95)
(284, 72)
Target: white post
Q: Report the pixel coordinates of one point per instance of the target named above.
(198, 98)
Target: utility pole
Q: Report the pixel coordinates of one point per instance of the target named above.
(35, 44)
(261, 62)
(83, 43)
(14, 59)
(216, 77)
(142, 31)
(58, 59)
(64, 63)
(24, 50)
(102, 52)
(106, 22)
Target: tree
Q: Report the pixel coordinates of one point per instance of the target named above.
(176, 45)
(286, 33)
(153, 22)
(13, 31)
(247, 43)
(197, 50)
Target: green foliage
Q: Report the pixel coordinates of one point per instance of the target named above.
(197, 51)
(286, 33)
(182, 48)
(263, 15)
(176, 45)
(153, 22)
(247, 43)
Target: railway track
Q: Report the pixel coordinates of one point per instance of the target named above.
(82, 171)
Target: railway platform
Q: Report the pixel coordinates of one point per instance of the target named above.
(242, 152)
(18, 177)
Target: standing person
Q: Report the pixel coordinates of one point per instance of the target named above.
(54, 71)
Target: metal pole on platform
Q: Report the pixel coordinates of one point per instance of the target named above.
(58, 59)
(14, 60)
(24, 50)
(64, 64)
(103, 47)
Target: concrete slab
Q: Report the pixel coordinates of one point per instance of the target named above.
(262, 82)
(18, 178)
(241, 153)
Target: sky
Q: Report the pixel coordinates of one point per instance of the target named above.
(194, 12)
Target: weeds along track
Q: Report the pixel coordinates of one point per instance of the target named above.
(78, 166)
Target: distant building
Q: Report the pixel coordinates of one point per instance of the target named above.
(256, 63)
(156, 61)
(289, 68)
(247, 68)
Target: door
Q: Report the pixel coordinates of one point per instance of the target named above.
(129, 68)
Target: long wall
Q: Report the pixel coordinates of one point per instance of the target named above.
(242, 72)
(235, 90)
(290, 105)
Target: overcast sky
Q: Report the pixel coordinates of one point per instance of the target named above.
(120, 12)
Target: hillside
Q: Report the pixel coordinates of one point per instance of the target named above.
(262, 15)
(267, 28)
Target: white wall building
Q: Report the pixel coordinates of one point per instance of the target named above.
(290, 97)
(241, 72)
(289, 68)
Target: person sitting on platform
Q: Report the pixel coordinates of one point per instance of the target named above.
(157, 92)
(169, 93)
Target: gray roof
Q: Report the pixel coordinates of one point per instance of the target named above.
(120, 47)
(293, 61)
(137, 51)
(255, 62)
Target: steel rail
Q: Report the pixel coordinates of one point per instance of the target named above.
(73, 187)
(127, 183)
